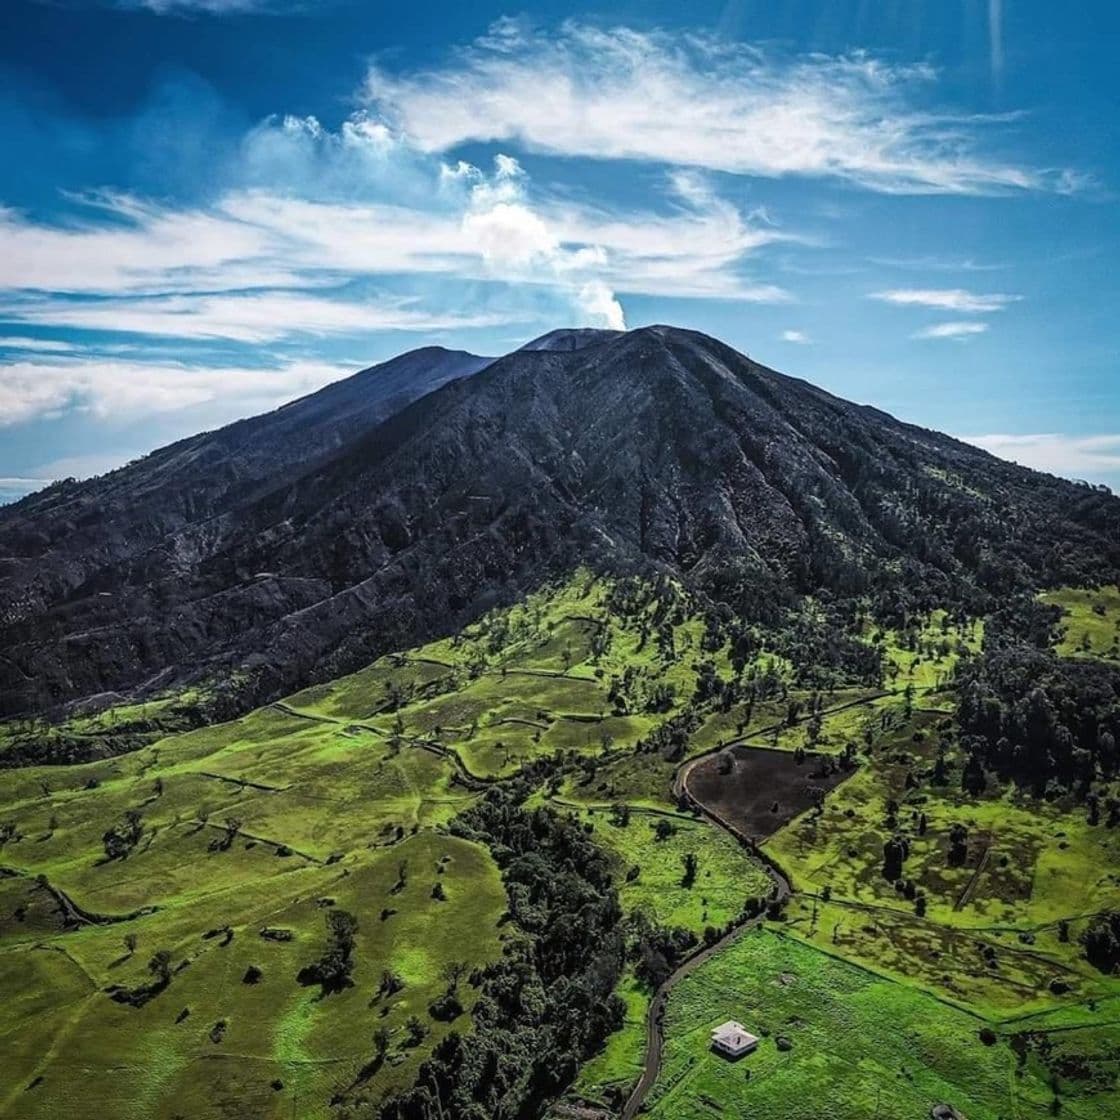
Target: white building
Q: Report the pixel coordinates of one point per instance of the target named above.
(733, 1039)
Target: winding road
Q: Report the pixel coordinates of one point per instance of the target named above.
(780, 890)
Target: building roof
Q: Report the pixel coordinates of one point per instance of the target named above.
(733, 1036)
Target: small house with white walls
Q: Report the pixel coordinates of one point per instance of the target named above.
(733, 1039)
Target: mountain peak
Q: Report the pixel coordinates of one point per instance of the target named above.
(572, 338)
(418, 493)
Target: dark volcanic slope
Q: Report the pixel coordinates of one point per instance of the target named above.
(172, 508)
(658, 446)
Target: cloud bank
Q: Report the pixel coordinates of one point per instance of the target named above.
(694, 101)
(1092, 457)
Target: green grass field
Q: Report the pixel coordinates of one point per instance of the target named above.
(327, 815)
(1090, 624)
(883, 1004)
(338, 798)
(726, 877)
(858, 1045)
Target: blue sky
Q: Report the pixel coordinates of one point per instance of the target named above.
(208, 207)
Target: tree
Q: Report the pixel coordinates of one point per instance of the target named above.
(380, 1044)
(1101, 941)
(958, 845)
(333, 969)
(453, 974)
(416, 1030)
(230, 828)
(391, 983)
(813, 729)
(120, 840)
(895, 851)
(690, 865)
(160, 968)
(130, 940)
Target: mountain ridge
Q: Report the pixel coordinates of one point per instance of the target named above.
(658, 449)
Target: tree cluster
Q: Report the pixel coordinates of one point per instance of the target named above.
(549, 1003)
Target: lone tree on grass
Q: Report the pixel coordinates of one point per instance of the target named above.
(333, 969)
(120, 840)
(230, 829)
(1102, 942)
(380, 1044)
(391, 983)
(690, 866)
(416, 1030)
(160, 968)
(958, 845)
(895, 851)
(454, 972)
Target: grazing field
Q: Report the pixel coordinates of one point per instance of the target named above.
(839, 1042)
(652, 874)
(642, 780)
(1090, 622)
(271, 822)
(1022, 862)
(651, 871)
(234, 1021)
(925, 654)
(166, 914)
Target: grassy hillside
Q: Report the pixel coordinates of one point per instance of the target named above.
(840, 1041)
(159, 908)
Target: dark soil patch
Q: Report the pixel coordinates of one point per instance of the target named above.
(764, 789)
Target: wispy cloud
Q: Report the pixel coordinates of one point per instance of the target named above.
(257, 265)
(1094, 457)
(123, 389)
(43, 345)
(959, 331)
(212, 7)
(608, 94)
(947, 299)
(242, 316)
(938, 264)
(799, 337)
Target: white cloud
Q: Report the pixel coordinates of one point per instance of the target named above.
(694, 101)
(947, 299)
(119, 389)
(799, 337)
(44, 345)
(240, 316)
(1090, 457)
(211, 7)
(123, 244)
(958, 331)
(258, 265)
